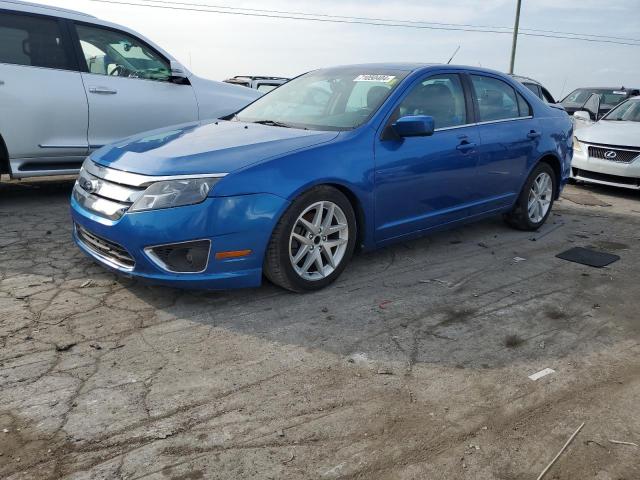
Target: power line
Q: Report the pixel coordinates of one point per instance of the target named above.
(418, 22)
(358, 22)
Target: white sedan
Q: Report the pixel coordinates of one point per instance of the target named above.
(608, 151)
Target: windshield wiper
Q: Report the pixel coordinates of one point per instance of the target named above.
(272, 123)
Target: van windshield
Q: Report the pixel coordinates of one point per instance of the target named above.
(332, 99)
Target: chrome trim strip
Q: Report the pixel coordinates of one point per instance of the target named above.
(481, 123)
(136, 179)
(45, 145)
(610, 147)
(504, 120)
(155, 259)
(99, 256)
(101, 206)
(108, 190)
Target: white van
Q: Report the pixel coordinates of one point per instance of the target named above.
(70, 83)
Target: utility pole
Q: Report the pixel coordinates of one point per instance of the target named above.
(515, 37)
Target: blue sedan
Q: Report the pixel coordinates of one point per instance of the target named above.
(338, 158)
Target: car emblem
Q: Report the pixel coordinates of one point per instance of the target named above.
(610, 154)
(89, 185)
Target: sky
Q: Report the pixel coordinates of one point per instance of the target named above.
(219, 46)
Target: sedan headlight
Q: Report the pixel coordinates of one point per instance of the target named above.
(577, 147)
(174, 193)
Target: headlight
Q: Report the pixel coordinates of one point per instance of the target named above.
(174, 193)
(577, 147)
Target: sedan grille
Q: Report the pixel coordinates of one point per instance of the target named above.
(105, 249)
(613, 154)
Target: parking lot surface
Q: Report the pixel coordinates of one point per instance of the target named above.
(414, 365)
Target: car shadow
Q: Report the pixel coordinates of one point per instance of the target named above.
(478, 296)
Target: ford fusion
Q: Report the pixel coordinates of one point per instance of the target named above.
(339, 158)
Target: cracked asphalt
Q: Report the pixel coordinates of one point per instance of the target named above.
(414, 365)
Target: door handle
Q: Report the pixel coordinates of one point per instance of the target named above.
(533, 134)
(1, 82)
(466, 146)
(103, 90)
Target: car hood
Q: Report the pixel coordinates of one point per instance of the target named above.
(611, 133)
(199, 148)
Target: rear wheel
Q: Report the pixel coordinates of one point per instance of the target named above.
(536, 199)
(313, 241)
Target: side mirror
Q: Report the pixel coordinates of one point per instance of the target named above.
(414, 126)
(582, 115)
(178, 73)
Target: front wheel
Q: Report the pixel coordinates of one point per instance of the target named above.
(313, 241)
(536, 199)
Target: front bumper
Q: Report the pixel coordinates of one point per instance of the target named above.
(605, 172)
(242, 222)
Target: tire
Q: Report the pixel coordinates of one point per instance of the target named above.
(524, 218)
(298, 239)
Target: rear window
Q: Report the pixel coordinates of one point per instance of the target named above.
(33, 41)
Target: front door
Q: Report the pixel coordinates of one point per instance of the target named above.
(128, 86)
(423, 182)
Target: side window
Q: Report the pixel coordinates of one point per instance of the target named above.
(496, 99)
(439, 96)
(110, 52)
(547, 97)
(524, 109)
(32, 41)
(534, 88)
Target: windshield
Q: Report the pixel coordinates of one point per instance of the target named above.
(628, 111)
(333, 99)
(581, 95)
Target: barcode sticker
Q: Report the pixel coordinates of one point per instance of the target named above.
(374, 78)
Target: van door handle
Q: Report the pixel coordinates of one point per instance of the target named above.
(103, 90)
(1, 82)
(533, 135)
(466, 146)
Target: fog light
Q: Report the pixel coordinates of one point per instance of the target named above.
(184, 257)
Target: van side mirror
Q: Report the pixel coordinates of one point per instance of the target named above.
(414, 126)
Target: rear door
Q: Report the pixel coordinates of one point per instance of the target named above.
(128, 85)
(43, 107)
(509, 137)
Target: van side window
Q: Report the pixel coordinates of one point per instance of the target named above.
(118, 54)
(496, 99)
(32, 41)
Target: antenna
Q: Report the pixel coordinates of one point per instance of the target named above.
(454, 54)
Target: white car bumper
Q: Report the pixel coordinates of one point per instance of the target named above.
(588, 168)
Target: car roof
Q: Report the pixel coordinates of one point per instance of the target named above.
(522, 78)
(606, 88)
(40, 8)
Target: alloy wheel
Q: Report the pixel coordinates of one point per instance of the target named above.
(318, 240)
(540, 197)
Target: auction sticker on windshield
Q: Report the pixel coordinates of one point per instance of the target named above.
(374, 78)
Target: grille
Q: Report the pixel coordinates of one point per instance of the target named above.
(106, 249)
(613, 154)
(105, 191)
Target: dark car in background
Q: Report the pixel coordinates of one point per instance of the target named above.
(609, 98)
(536, 87)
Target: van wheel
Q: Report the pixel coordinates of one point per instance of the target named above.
(535, 201)
(313, 241)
